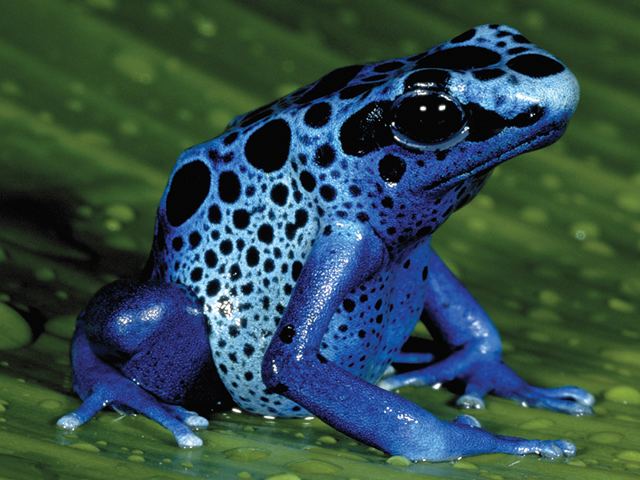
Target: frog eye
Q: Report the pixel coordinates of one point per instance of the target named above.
(428, 120)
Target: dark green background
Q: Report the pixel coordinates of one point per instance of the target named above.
(97, 98)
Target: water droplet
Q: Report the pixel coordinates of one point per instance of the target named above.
(314, 467)
(398, 461)
(136, 458)
(45, 274)
(464, 465)
(246, 454)
(534, 215)
(327, 440)
(244, 475)
(629, 201)
(631, 357)
(629, 455)
(284, 476)
(14, 330)
(205, 26)
(623, 394)
(606, 438)
(120, 211)
(537, 424)
(86, 447)
(549, 297)
(622, 306)
(50, 404)
(136, 65)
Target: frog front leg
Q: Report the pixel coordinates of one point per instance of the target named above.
(143, 347)
(342, 258)
(455, 318)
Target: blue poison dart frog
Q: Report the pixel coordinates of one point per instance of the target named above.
(292, 259)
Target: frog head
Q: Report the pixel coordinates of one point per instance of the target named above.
(428, 129)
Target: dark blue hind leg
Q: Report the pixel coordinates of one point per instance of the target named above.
(293, 367)
(454, 318)
(154, 334)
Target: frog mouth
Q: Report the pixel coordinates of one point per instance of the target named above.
(534, 142)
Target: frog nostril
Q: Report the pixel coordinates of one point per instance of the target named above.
(528, 118)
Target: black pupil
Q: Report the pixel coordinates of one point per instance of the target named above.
(428, 118)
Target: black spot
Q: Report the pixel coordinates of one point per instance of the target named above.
(234, 331)
(425, 273)
(177, 243)
(517, 50)
(366, 130)
(356, 90)
(234, 272)
(296, 268)
(330, 83)
(215, 215)
(229, 187)
(348, 304)
(279, 194)
(226, 247)
(362, 333)
(534, 65)
(318, 115)
(265, 233)
(387, 67)
(194, 239)
(268, 265)
(520, 39)
(268, 147)
(196, 274)
(210, 258)
(325, 155)
(321, 358)
(387, 202)
(241, 218)
(280, 388)
(488, 73)
(287, 334)
(463, 37)
(427, 78)
(460, 58)
(248, 350)
(391, 168)
(328, 193)
(362, 216)
(253, 256)
(213, 287)
(189, 188)
(307, 180)
(406, 264)
(354, 190)
(248, 376)
(229, 139)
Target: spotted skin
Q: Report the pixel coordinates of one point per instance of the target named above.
(303, 235)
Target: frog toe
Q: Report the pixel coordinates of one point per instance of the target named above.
(188, 440)
(468, 420)
(189, 418)
(470, 402)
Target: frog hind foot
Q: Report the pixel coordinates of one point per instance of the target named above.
(482, 376)
(100, 385)
(143, 347)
